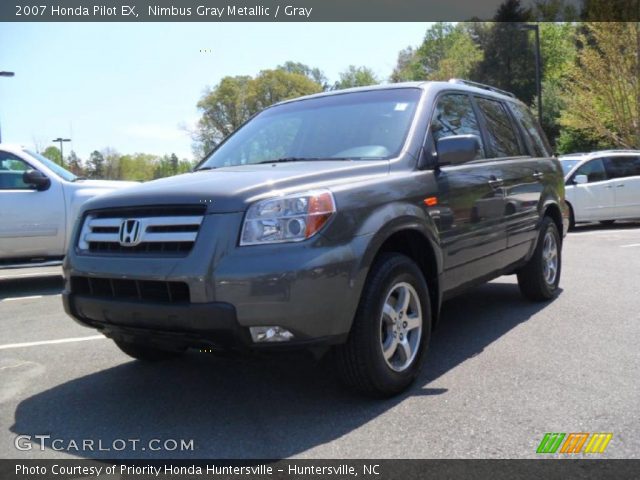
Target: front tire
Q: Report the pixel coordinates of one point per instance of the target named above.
(144, 352)
(391, 329)
(539, 278)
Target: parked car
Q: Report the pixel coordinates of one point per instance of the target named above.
(602, 186)
(338, 221)
(39, 202)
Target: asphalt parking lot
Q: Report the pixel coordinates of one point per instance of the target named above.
(499, 374)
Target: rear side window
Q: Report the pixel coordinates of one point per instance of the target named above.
(594, 170)
(620, 167)
(532, 130)
(454, 115)
(502, 136)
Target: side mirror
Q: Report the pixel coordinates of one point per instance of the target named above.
(457, 149)
(581, 179)
(37, 179)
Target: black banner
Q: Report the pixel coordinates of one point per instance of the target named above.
(319, 469)
(295, 10)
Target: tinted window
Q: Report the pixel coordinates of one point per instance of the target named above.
(594, 170)
(567, 164)
(11, 170)
(454, 115)
(619, 167)
(364, 125)
(503, 138)
(532, 130)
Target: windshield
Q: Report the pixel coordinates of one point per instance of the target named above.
(53, 166)
(568, 164)
(351, 126)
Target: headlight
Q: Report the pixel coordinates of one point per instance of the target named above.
(291, 218)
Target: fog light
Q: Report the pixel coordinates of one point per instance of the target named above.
(270, 334)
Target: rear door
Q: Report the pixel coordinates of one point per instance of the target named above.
(624, 172)
(594, 200)
(470, 198)
(521, 172)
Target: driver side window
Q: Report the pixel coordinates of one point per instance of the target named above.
(454, 115)
(11, 170)
(594, 170)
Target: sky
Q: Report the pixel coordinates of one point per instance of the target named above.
(134, 87)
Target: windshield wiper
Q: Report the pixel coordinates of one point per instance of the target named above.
(78, 178)
(204, 168)
(290, 159)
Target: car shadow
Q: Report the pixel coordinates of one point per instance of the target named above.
(617, 225)
(29, 286)
(272, 407)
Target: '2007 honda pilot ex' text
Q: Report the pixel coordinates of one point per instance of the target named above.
(335, 222)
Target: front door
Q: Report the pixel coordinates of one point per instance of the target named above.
(32, 222)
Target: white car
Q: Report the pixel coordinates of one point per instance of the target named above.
(602, 186)
(39, 202)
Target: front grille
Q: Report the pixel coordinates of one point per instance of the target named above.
(125, 289)
(161, 230)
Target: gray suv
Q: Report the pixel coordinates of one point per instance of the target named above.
(336, 222)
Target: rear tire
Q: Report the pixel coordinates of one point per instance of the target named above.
(144, 352)
(539, 278)
(391, 329)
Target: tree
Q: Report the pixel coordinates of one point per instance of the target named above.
(407, 67)
(313, 74)
(447, 51)
(75, 164)
(173, 161)
(235, 99)
(272, 86)
(224, 108)
(461, 56)
(508, 61)
(603, 87)
(53, 154)
(356, 77)
(95, 165)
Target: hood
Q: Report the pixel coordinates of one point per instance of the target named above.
(232, 189)
(110, 184)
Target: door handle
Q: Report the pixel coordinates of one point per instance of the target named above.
(608, 186)
(537, 174)
(620, 186)
(495, 182)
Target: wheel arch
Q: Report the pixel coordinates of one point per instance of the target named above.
(420, 244)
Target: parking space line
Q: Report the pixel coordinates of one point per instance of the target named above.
(29, 297)
(630, 245)
(51, 342)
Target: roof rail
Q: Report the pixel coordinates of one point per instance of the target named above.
(615, 150)
(481, 85)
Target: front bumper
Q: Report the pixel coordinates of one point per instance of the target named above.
(173, 327)
(310, 288)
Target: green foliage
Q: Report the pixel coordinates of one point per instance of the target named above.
(314, 74)
(603, 86)
(356, 77)
(508, 61)
(74, 164)
(95, 165)
(571, 140)
(447, 51)
(235, 99)
(53, 154)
